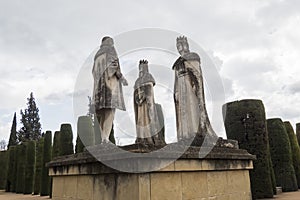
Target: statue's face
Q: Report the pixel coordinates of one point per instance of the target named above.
(183, 48)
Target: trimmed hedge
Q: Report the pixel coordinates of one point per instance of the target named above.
(56, 145)
(298, 132)
(15, 169)
(45, 179)
(66, 140)
(21, 149)
(245, 121)
(38, 166)
(29, 167)
(3, 168)
(85, 133)
(295, 150)
(10, 184)
(281, 155)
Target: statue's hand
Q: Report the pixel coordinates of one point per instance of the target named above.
(124, 81)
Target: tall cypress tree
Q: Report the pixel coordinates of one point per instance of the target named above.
(56, 145)
(66, 140)
(13, 133)
(45, 179)
(29, 167)
(245, 121)
(21, 149)
(295, 150)
(281, 155)
(38, 166)
(10, 184)
(298, 132)
(31, 129)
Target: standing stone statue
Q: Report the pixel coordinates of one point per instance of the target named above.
(108, 80)
(147, 121)
(191, 114)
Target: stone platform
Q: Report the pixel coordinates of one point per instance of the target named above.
(175, 172)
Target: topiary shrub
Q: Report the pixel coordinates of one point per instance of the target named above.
(3, 169)
(281, 155)
(15, 170)
(45, 180)
(29, 167)
(56, 145)
(21, 149)
(85, 133)
(298, 133)
(38, 166)
(295, 150)
(66, 140)
(10, 184)
(245, 121)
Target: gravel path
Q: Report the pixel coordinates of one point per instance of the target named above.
(12, 196)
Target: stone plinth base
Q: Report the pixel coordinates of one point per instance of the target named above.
(217, 176)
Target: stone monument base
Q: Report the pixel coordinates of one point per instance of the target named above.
(222, 174)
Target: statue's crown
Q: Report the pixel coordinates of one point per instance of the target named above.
(143, 65)
(143, 62)
(181, 39)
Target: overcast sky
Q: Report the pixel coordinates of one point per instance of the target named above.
(43, 45)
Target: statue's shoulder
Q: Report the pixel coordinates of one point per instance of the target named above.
(192, 56)
(178, 62)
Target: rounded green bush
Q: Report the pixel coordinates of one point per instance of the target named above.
(281, 155)
(245, 121)
(66, 140)
(295, 150)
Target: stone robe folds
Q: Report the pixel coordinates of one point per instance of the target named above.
(107, 85)
(146, 117)
(191, 114)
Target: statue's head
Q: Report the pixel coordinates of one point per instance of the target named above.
(107, 41)
(143, 67)
(182, 45)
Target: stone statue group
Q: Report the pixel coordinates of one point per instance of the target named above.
(191, 114)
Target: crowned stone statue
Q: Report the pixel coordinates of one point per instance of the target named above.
(191, 113)
(148, 126)
(108, 81)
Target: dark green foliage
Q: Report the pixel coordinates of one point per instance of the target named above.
(3, 168)
(56, 145)
(245, 121)
(10, 184)
(21, 149)
(38, 166)
(281, 155)
(15, 169)
(45, 180)
(31, 129)
(273, 179)
(97, 133)
(298, 133)
(295, 150)
(29, 167)
(85, 133)
(13, 133)
(66, 140)
(79, 145)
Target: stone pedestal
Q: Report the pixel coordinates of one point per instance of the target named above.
(223, 174)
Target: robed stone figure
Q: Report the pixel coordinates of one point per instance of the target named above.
(108, 80)
(148, 126)
(191, 114)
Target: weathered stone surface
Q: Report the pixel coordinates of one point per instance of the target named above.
(191, 113)
(147, 120)
(108, 80)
